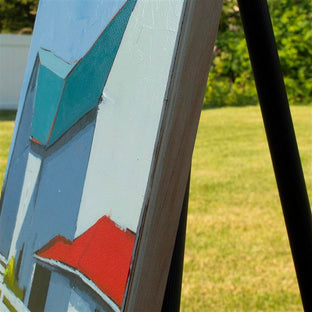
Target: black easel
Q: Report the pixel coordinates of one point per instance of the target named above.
(172, 296)
(284, 153)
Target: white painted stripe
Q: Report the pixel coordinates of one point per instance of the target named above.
(3, 308)
(29, 184)
(2, 270)
(15, 302)
(129, 116)
(3, 259)
(71, 308)
(87, 281)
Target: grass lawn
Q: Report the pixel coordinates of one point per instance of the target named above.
(6, 130)
(237, 254)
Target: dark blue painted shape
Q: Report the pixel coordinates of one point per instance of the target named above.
(83, 84)
(27, 240)
(13, 184)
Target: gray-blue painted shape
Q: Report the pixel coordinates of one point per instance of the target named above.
(83, 299)
(54, 208)
(58, 294)
(60, 189)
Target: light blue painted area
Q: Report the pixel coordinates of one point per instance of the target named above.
(58, 294)
(84, 20)
(85, 83)
(55, 203)
(54, 63)
(48, 95)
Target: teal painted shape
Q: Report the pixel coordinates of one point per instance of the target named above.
(48, 95)
(83, 81)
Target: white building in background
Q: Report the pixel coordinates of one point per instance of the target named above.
(13, 58)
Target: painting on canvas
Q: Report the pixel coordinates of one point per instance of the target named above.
(82, 150)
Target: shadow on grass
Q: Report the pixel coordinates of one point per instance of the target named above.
(7, 115)
(211, 106)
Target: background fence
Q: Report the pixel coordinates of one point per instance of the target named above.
(13, 57)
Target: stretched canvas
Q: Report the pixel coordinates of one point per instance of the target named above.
(83, 151)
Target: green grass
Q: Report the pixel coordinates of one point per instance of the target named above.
(6, 129)
(237, 254)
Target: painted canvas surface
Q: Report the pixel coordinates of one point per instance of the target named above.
(82, 149)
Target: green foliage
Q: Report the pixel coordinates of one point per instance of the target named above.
(17, 15)
(231, 80)
(292, 24)
(11, 281)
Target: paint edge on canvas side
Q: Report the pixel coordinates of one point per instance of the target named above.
(172, 160)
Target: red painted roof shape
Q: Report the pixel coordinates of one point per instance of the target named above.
(102, 254)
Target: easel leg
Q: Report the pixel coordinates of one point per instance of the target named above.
(281, 137)
(172, 296)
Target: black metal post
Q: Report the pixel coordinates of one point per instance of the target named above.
(172, 296)
(281, 137)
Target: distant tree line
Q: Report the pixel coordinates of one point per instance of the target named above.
(17, 16)
(231, 80)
